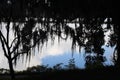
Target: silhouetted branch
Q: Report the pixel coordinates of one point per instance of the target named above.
(3, 37)
(13, 41)
(4, 40)
(8, 29)
(17, 54)
(15, 47)
(3, 46)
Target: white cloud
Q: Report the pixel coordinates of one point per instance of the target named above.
(59, 48)
(51, 50)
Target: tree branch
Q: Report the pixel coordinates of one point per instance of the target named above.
(2, 36)
(16, 46)
(4, 40)
(8, 29)
(13, 42)
(17, 54)
(5, 53)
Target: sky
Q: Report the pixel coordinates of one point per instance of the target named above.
(60, 52)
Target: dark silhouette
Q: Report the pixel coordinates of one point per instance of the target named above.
(89, 14)
(71, 64)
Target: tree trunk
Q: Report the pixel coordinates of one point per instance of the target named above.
(12, 74)
(116, 21)
(118, 50)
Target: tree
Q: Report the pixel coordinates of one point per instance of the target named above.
(94, 62)
(57, 66)
(88, 34)
(115, 40)
(38, 68)
(22, 43)
(71, 64)
(23, 39)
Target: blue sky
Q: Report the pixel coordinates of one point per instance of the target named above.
(57, 53)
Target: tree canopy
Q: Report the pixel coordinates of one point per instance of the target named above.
(36, 21)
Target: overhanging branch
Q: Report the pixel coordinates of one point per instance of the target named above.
(2, 36)
(13, 42)
(16, 47)
(3, 46)
(17, 54)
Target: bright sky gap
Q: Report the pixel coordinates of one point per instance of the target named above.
(59, 51)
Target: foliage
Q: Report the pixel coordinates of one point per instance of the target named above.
(4, 71)
(53, 20)
(38, 68)
(57, 66)
(71, 64)
(94, 62)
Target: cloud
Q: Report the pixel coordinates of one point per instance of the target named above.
(59, 48)
(23, 65)
(53, 50)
